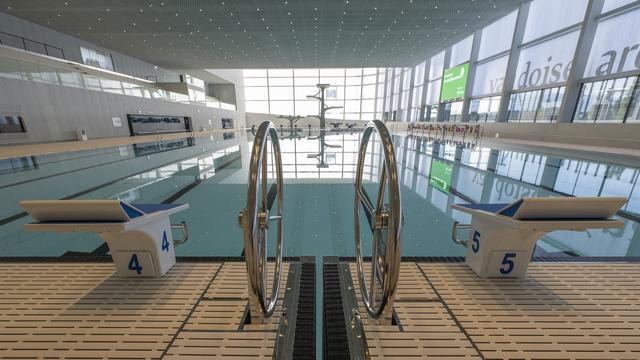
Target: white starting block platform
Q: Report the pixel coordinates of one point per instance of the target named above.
(139, 236)
(502, 236)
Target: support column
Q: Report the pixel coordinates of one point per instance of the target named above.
(475, 50)
(550, 173)
(390, 92)
(412, 81)
(580, 59)
(512, 65)
(425, 86)
(445, 65)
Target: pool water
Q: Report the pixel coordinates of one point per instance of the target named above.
(210, 174)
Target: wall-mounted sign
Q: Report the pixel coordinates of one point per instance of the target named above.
(454, 83)
(117, 122)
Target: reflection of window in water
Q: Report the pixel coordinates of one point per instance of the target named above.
(17, 164)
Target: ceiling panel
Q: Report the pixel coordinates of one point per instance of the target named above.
(199, 34)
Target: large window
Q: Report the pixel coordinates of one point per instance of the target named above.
(380, 93)
(416, 98)
(12, 123)
(452, 111)
(484, 109)
(614, 100)
(95, 58)
(285, 91)
(395, 101)
(404, 99)
(536, 106)
(548, 16)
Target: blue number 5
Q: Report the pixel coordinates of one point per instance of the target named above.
(134, 264)
(508, 263)
(475, 246)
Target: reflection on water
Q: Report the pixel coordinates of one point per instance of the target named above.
(155, 147)
(319, 168)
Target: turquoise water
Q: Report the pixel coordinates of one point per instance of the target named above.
(319, 172)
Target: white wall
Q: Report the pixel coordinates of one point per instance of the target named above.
(71, 46)
(54, 113)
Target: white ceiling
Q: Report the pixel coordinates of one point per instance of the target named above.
(201, 34)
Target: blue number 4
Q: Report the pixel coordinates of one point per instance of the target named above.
(134, 264)
(508, 263)
(475, 246)
(165, 242)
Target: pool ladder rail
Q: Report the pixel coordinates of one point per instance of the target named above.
(255, 219)
(385, 220)
(385, 223)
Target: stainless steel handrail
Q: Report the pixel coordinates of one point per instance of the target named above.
(185, 233)
(255, 219)
(454, 233)
(385, 221)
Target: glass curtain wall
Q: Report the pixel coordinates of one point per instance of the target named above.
(609, 93)
(416, 92)
(460, 54)
(493, 57)
(285, 91)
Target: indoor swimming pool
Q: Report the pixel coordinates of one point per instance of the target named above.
(210, 174)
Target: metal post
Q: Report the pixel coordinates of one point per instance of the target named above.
(425, 87)
(512, 65)
(390, 92)
(475, 50)
(447, 60)
(412, 82)
(580, 59)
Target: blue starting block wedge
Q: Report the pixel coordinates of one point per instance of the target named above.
(139, 236)
(502, 236)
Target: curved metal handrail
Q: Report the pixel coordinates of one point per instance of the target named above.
(384, 219)
(454, 233)
(254, 221)
(185, 233)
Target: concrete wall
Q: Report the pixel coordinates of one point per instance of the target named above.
(54, 113)
(223, 92)
(71, 47)
(234, 76)
(610, 135)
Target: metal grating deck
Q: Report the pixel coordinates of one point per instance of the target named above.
(84, 311)
(558, 311)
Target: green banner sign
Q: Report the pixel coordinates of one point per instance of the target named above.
(454, 83)
(440, 176)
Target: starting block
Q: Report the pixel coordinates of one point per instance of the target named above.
(502, 236)
(139, 236)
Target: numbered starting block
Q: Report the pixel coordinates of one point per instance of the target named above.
(502, 237)
(139, 236)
